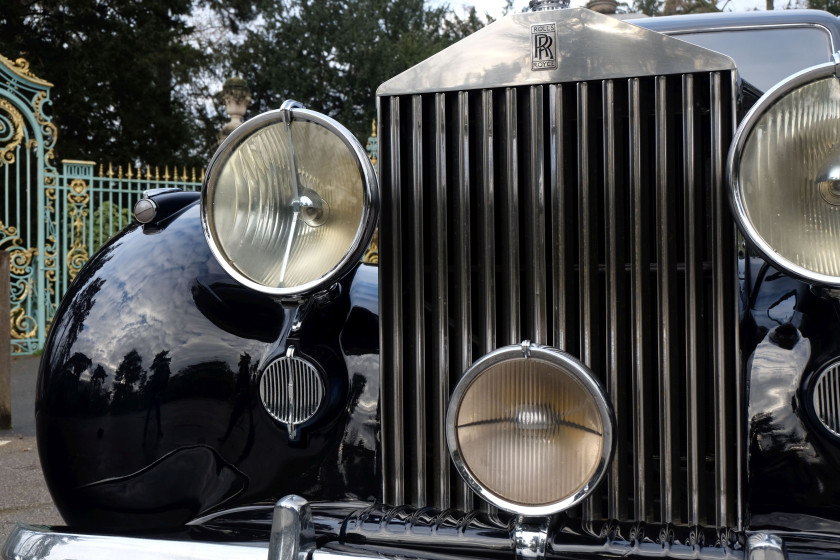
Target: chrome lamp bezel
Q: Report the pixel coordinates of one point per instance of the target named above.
(733, 168)
(553, 356)
(294, 111)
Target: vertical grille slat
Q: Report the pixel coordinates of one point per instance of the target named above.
(510, 257)
(590, 216)
(535, 204)
(665, 274)
(693, 278)
(393, 436)
(418, 372)
(441, 301)
(463, 252)
(588, 256)
(614, 256)
(559, 218)
(488, 221)
(639, 286)
(725, 316)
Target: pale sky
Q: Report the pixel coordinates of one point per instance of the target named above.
(494, 7)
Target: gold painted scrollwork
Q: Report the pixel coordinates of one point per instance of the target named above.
(20, 266)
(11, 130)
(372, 253)
(21, 67)
(50, 248)
(47, 127)
(78, 254)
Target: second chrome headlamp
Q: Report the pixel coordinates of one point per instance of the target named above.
(290, 202)
(530, 429)
(784, 174)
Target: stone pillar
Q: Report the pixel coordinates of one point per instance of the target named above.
(237, 97)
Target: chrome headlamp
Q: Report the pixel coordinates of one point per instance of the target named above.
(290, 202)
(784, 175)
(530, 429)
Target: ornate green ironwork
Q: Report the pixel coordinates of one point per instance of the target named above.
(52, 222)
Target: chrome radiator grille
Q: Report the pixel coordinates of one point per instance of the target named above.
(587, 216)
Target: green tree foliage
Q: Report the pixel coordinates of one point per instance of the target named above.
(133, 79)
(331, 55)
(832, 6)
(108, 219)
(125, 74)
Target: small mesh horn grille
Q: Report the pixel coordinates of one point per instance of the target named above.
(291, 391)
(827, 398)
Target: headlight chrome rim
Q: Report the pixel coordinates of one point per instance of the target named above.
(289, 112)
(733, 170)
(554, 357)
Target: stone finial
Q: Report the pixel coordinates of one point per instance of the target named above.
(237, 97)
(603, 6)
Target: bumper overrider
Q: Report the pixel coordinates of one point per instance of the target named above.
(300, 530)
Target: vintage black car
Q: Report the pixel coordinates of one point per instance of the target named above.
(604, 320)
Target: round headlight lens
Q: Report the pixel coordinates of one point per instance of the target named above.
(289, 202)
(530, 429)
(785, 175)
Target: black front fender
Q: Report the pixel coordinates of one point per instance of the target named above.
(148, 410)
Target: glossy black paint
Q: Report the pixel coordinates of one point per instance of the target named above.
(148, 412)
(789, 332)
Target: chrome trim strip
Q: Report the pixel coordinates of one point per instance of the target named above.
(557, 192)
(614, 253)
(664, 281)
(721, 300)
(510, 264)
(733, 163)
(538, 307)
(418, 313)
(756, 28)
(694, 234)
(441, 307)
(640, 272)
(397, 391)
(463, 246)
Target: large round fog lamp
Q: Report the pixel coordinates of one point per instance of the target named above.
(784, 175)
(290, 202)
(530, 429)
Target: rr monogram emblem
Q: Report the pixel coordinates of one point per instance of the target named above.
(544, 46)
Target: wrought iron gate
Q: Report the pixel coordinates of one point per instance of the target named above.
(51, 220)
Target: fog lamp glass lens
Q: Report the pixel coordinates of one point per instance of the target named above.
(789, 177)
(530, 432)
(287, 205)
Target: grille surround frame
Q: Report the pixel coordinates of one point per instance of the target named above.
(607, 183)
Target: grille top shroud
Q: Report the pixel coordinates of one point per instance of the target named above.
(590, 216)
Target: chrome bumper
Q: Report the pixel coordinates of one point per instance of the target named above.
(293, 538)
